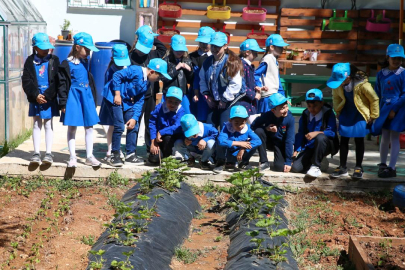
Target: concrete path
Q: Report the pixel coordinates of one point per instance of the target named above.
(16, 163)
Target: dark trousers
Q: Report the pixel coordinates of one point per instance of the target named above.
(344, 151)
(166, 148)
(217, 117)
(313, 156)
(121, 117)
(268, 143)
(148, 106)
(245, 158)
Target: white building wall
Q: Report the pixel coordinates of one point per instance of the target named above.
(102, 24)
(342, 4)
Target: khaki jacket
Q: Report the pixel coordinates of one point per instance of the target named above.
(365, 99)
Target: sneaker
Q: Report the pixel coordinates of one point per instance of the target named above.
(314, 172)
(205, 165)
(231, 166)
(324, 164)
(122, 156)
(134, 159)
(388, 172)
(48, 158)
(244, 165)
(381, 168)
(92, 161)
(116, 160)
(72, 163)
(191, 161)
(264, 166)
(107, 158)
(219, 166)
(339, 172)
(358, 173)
(36, 159)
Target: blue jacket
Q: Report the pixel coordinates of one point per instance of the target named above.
(132, 83)
(164, 121)
(262, 69)
(228, 135)
(108, 85)
(328, 126)
(285, 134)
(207, 132)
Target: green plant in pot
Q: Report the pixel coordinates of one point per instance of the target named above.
(65, 29)
(294, 55)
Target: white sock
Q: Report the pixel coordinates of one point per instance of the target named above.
(384, 145)
(110, 131)
(89, 141)
(395, 147)
(71, 137)
(48, 134)
(36, 133)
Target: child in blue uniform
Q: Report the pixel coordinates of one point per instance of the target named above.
(198, 141)
(276, 129)
(198, 105)
(119, 61)
(267, 75)
(39, 83)
(248, 53)
(238, 139)
(390, 88)
(179, 68)
(316, 137)
(165, 126)
(77, 97)
(356, 104)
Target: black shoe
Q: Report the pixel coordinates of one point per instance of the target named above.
(231, 166)
(191, 161)
(388, 172)
(264, 166)
(134, 159)
(358, 173)
(204, 165)
(381, 168)
(244, 165)
(116, 160)
(339, 172)
(219, 166)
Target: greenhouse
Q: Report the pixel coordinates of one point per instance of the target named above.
(19, 21)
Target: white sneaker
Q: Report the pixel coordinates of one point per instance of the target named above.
(92, 161)
(107, 158)
(314, 172)
(72, 163)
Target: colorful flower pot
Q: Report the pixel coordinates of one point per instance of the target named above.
(338, 23)
(218, 12)
(254, 14)
(165, 34)
(259, 36)
(169, 10)
(383, 25)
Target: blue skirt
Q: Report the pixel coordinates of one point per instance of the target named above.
(263, 105)
(44, 111)
(80, 108)
(106, 115)
(200, 108)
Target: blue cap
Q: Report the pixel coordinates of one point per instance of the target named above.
(160, 66)
(145, 42)
(176, 92)
(120, 55)
(189, 125)
(276, 99)
(218, 39)
(85, 40)
(239, 111)
(314, 95)
(250, 45)
(204, 34)
(147, 29)
(41, 40)
(340, 72)
(178, 43)
(395, 50)
(276, 40)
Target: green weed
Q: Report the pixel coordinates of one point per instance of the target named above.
(186, 256)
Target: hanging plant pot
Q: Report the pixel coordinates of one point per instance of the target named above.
(259, 36)
(379, 23)
(338, 23)
(165, 34)
(169, 10)
(218, 12)
(254, 14)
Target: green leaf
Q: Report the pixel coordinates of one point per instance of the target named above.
(253, 233)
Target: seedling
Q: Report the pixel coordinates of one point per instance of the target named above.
(218, 239)
(170, 174)
(123, 265)
(65, 26)
(88, 240)
(98, 264)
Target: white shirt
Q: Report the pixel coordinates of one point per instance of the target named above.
(318, 116)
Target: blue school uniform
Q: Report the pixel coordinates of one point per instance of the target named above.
(390, 88)
(351, 122)
(106, 115)
(263, 103)
(49, 109)
(249, 101)
(207, 132)
(164, 121)
(80, 106)
(228, 135)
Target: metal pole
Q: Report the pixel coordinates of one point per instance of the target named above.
(401, 21)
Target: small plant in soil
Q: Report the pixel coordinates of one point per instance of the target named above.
(88, 240)
(116, 180)
(123, 265)
(98, 264)
(186, 256)
(170, 174)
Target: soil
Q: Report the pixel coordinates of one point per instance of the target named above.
(225, 8)
(208, 237)
(382, 22)
(169, 7)
(169, 33)
(255, 11)
(327, 220)
(341, 21)
(385, 256)
(258, 36)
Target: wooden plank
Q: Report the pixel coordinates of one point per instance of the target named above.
(394, 25)
(233, 38)
(378, 36)
(324, 62)
(370, 58)
(323, 46)
(390, 14)
(357, 255)
(233, 2)
(233, 14)
(284, 21)
(238, 26)
(372, 47)
(318, 34)
(323, 13)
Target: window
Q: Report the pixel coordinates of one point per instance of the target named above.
(107, 4)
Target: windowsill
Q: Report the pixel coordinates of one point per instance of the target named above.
(110, 6)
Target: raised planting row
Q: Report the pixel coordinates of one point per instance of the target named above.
(152, 219)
